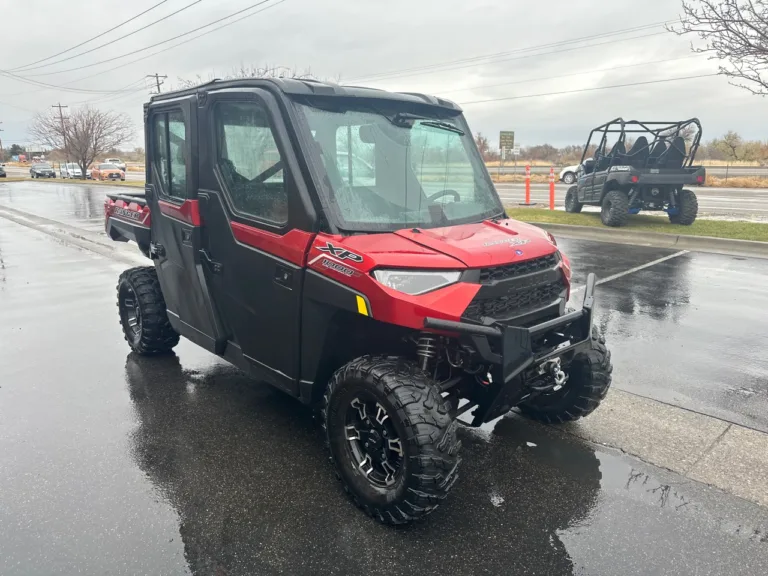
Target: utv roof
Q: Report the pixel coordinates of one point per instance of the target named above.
(295, 87)
(653, 126)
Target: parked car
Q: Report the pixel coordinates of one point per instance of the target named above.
(42, 170)
(107, 172)
(2, 171)
(568, 174)
(117, 162)
(70, 170)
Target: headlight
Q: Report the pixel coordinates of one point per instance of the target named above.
(415, 282)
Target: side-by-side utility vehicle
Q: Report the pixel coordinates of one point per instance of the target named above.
(347, 246)
(647, 167)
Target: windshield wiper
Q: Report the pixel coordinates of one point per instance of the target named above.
(443, 126)
(407, 118)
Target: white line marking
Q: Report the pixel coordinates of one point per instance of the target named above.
(635, 269)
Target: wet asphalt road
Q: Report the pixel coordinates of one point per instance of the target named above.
(689, 331)
(111, 463)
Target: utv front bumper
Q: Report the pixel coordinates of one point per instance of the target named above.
(514, 351)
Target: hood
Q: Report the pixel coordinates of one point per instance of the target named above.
(485, 243)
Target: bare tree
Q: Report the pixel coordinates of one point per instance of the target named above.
(84, 135)
(735, 31)
(251, 71)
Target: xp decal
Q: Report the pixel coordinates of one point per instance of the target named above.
(341, 253)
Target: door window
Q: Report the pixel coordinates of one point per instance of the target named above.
(249, 161)
(169, 153)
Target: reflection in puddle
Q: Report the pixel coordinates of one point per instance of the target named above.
(246, 471)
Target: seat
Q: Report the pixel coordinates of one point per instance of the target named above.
(657, 151)
(617, 154)
(675, 153)
(638, 154)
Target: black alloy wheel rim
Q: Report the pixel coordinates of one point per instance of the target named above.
(129, 309)
(373, 442)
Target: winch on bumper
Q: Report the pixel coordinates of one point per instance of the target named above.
(518, 354)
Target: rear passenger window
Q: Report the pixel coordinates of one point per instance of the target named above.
(250, 162)
(169, 153)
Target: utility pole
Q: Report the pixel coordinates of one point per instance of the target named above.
(63, 130)
(157, 77)
(2, 153)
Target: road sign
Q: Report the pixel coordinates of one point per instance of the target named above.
(516, 150)
(506, 141)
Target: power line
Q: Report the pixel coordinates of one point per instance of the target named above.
(27, 69)
(112, 60)
(475, 59)
(91, 39)
(588, 89)
(526, 56)
(542, 78)
(189, 39)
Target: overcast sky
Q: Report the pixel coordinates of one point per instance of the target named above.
(358, 41)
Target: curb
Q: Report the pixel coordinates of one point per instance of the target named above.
(747, 248)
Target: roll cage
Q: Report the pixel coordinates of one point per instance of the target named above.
(657, 144)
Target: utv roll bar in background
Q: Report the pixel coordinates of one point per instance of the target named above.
(661, 131)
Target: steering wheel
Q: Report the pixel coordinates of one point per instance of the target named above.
(453, 193)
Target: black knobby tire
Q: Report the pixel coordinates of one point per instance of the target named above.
(615, 208)
(572, 203)
(688, 208)
(143, 315)
(589, 378)
(419, 415)
(569, 178)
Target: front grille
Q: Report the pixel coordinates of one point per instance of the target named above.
(491, 275)
(516, 302)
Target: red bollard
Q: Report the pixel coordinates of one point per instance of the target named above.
(552, 188)
(527, 186)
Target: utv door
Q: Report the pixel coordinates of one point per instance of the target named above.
(255, 231)
(175, 228)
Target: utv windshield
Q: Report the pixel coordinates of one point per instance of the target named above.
(392, 169)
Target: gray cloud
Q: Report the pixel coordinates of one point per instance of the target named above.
(351, 40)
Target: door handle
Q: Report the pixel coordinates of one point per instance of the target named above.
(283, 276)
(213, 266)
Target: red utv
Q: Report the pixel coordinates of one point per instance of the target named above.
(347, 246)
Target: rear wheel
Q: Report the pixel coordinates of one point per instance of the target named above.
(143, 314)
(687, 208)
(614, 211)
(589, 378)
(391, 438)
(572, 203)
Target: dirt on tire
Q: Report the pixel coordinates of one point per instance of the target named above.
(156, 335)
(572, 203)
(429, 434)
(615, 206)
(688, 208)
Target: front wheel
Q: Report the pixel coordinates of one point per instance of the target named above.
(569, 177)
(589, 378)
(572, 203)
(391, 438)
(615, 208)
(143, 314)
(687, 208)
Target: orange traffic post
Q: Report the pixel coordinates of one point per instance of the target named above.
(551, 187)
(527, 186)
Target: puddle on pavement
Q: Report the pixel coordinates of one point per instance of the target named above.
(246, 471)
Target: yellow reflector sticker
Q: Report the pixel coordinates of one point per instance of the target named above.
(361, 306)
